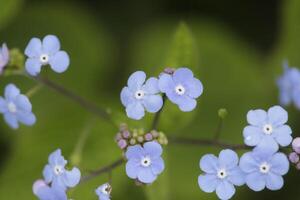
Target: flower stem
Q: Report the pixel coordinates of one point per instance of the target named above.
(157, 115)
(102, 170)
(33, 90)
(219, 129)
(205, 142)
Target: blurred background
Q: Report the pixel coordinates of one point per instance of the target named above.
(235, 48)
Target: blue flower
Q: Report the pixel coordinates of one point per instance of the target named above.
(181, 88)
(289, 86)
(55, 172)
(16, 107)
(104, 191)
(268, 128)
(144, 163)
(139, 96)
(45, 192)
(4, 57)
(264, 168)
(41, 53)
(221, 174)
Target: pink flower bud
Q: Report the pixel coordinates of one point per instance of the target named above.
(293, 157)
(296, 145)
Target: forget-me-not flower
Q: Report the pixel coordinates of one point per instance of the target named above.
(44, 192)
(221, 174)
(140, 95)
(55, 172)
(264, 168)
(181, 88)
(103, 192)
(16, 107)
(268, 128)
(46, 52)
(144, 163)
(289, 86)
(4, 57)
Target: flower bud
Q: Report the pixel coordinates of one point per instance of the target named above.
(140, 139)
(132, 141)
(122, 144)
(154, 134)
(126, 134)
(118, 137)
(298, 166)
(294, 158)
(148, 137)
(222, 113)
(296, 145)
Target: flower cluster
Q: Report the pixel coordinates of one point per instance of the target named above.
(294, 156)
(57, 179)
(261, 168)
(289, 86)
(126, 138)
(180, 87)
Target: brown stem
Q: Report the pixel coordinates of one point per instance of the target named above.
(205, 142)
(90, 106)
(102, 170)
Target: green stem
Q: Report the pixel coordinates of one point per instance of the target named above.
(33, 90)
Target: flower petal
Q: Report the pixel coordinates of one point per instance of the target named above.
(51, 44)
(71, 178)
(34, 48)
(145, 175)
(3, 105)
(257, 117)
(11, 120)
(26, 118)
(252, 135)
(255, 181)
(228, 159)
(132, 168)
(247, 163)
(267, 143)
(157, 165)
(209, 163)
(136, 80)
(277, 115)
(208, 182)
(134, 152)
(225, 190)
(153, 149)
(33, 66)
(23, 103)
(153, 103)
(151, 86)
(126, 96)
(11, 92)
(135, 111)
(274, 182)
(60, 61)
(48, 174)
(194, 88)
(188, 104)
(282, 135)
(183, 75)
(280, 164)
(237, 176)
(166, 83)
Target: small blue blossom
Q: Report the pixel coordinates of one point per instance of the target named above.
(4, 57)
(264, 168)
(289, 86)
(181, 88)
(44, 192)
(55, 172)
(104, 191)
(140, 95)
(221, 174)
(16, 107)
(144, 163)
(46, 52)
(268, 128)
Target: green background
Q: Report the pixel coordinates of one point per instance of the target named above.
(235, 55)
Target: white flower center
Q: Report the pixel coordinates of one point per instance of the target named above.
(12, 107)
(264, 168)
(180, 90)
(268, 129)
(44, 58)
(222, 173)
(58, 170)
(146, 161)
(139, 94)
(106, 189)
